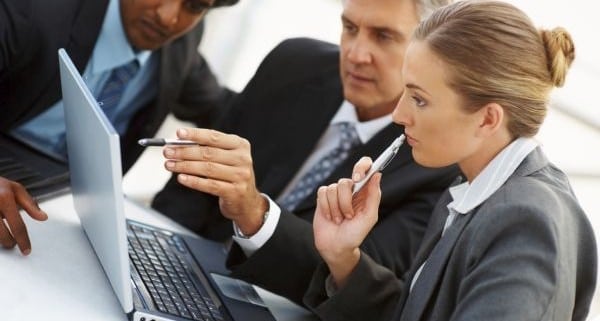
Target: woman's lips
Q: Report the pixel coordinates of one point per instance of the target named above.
(410, 140)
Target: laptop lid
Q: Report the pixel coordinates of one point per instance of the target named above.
(95, 166)
(96, 181)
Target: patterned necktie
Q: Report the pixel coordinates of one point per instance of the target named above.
(323, 168)
(115, 86)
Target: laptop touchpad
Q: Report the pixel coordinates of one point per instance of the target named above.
(238, 289)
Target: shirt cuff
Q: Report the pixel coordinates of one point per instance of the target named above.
(251, 244)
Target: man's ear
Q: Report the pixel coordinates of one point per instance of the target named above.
(491, 119)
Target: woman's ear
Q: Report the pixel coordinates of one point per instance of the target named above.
(491, 119)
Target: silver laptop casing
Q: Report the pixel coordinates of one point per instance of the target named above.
(96, 183)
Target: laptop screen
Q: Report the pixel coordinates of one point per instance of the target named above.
(95, 167)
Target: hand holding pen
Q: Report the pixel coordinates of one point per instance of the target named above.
(219, 164)
(347, 211)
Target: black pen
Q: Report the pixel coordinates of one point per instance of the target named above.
(146, 142)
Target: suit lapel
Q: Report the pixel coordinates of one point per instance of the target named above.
(77, 38)
(434, 231)
(433, 270)
(301, 122)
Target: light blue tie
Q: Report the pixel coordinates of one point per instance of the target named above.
(115, 86)
(323, 168)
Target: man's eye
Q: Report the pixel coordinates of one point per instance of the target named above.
(384, 36)
(349, 28)
(197, 7)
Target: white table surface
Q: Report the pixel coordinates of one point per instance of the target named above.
(62, 279)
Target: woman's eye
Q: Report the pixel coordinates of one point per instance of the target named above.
(419, 102)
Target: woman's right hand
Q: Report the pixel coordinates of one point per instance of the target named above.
(342, 221)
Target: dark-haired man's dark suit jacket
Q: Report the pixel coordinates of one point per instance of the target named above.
(283, 111)
(31, 31)
(526, 253)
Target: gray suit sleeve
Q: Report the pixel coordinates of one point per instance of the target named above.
(372, 292)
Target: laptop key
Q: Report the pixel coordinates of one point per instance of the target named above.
(196, 315)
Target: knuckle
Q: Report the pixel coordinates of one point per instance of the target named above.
(6, 194)
(243, 174)
(321, 191)
(208, 153)
(245, 159)
(244, 143)
(181, 166)
(8, 243)
(209, 168)
(213, 185)
(5, 238)
(213, 136)
(194, 182)
(332, 188)
(18, 187)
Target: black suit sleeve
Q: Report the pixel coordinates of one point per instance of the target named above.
(283, 265)
(17, 41)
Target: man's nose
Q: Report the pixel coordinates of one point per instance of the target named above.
(359, 51)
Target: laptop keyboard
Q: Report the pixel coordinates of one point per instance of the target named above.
(160, 260)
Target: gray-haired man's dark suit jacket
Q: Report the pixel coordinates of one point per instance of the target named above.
(527, 253)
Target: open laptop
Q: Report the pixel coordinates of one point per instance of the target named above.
(156, 274)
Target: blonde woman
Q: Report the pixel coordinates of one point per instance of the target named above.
(508, 242)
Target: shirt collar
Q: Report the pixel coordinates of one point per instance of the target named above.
(468, 196)
(112, 48)
(366, 130)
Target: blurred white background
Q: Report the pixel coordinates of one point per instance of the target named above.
(237, 38)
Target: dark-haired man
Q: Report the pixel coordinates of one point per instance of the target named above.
(138, 57)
